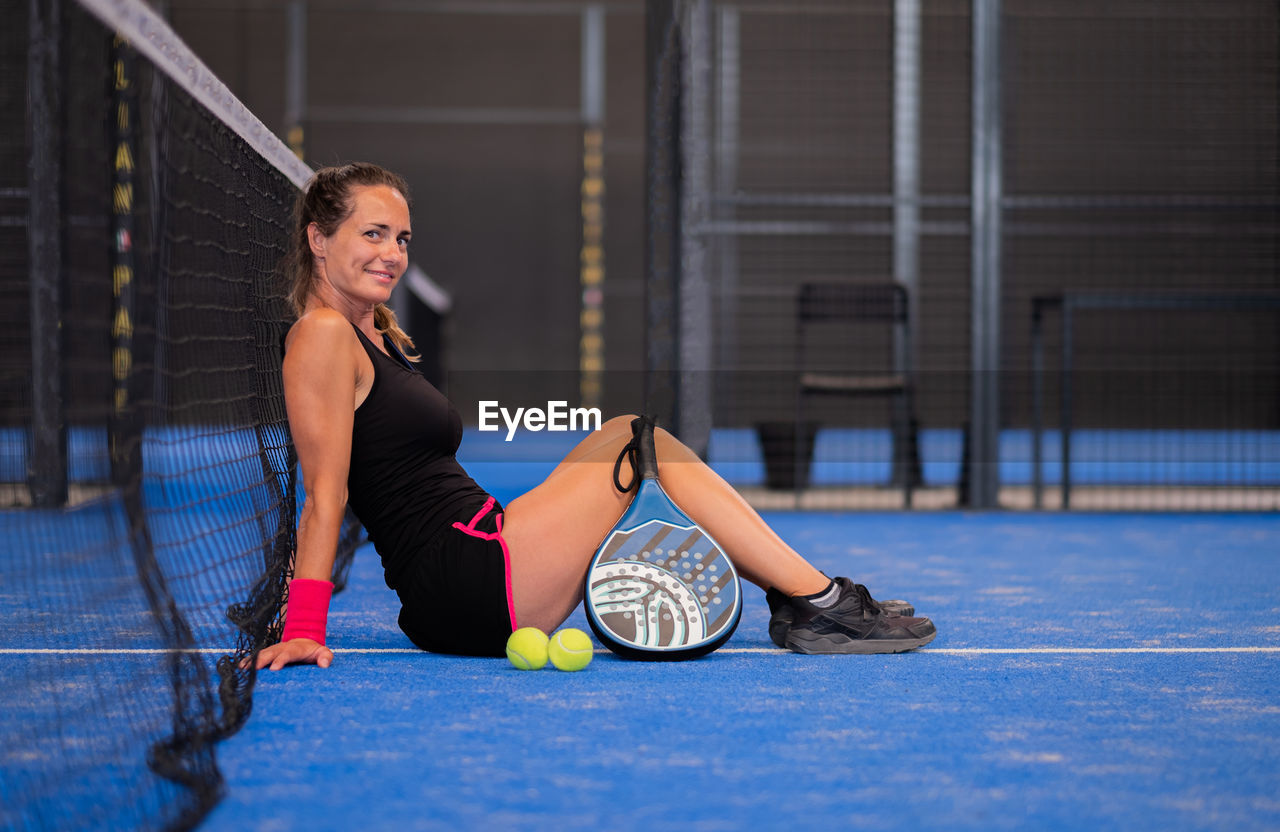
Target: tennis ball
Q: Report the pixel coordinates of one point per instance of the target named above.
(527, 648)
(570, 649)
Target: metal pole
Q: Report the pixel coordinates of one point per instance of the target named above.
(1037, 402)
(593, 64)
(1068, 336)
(986, 221)
(662, 212)
(47, 466)
(906, 153)
(295, 92)
(725, 151)
(696, 381)
(906, 211)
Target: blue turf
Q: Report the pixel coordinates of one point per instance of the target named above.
(766, 739)
(854, 456)
(752, 737)
(842, 456)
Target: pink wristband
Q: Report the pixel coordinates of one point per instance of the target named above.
(308, 610)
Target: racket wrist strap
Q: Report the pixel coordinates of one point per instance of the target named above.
(631, 453)
(308, 611)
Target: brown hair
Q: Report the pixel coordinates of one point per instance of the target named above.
(327, 202)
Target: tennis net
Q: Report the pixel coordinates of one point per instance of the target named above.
(148, 489)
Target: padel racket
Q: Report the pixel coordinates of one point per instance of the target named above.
(659, 588)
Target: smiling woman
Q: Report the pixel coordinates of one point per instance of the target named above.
(371, 243)
(373, 434)
(352, 221)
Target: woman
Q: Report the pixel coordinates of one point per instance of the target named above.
(371, 431)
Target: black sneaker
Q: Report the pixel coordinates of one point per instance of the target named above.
(781, 613)
(854, 624)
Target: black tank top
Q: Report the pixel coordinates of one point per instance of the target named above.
(405, 484)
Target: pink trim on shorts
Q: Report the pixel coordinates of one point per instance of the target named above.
(470, 529)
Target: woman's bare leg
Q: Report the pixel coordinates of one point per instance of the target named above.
(553, 530)
(616, 428)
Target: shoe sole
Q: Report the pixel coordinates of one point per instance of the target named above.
(838, 644)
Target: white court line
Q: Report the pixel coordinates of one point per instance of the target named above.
(983, 651)
(88, 651)
(946, 651)
(1035, 651)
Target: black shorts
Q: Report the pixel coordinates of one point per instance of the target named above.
(456, 595)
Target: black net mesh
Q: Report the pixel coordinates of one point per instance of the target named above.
(128, 606)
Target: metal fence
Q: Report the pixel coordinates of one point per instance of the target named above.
(1079, 200)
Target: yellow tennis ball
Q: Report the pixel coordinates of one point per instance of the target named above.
(527, 648)
(570, 649)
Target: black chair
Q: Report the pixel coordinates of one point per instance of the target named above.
(882, 309)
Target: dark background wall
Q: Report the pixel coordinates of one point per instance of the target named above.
(1174, 102)
(497, 218)
(1151, 127)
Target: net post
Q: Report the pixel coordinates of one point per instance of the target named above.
(47, 465)
(125, 428)
(591, 271)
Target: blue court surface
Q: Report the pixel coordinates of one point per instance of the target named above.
(1092, 671)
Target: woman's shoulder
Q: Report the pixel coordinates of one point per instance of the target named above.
(322, 341)
(321, 328)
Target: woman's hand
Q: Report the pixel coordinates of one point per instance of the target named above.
(295, 651)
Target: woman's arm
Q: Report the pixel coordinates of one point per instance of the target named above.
(321, 374)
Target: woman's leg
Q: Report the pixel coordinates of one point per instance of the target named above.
(616, 428)
(553, 530)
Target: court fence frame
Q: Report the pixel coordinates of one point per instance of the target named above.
(718, 207)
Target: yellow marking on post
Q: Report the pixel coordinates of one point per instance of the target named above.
(591, 269)
(122, 362)
(122, 326)
(123, 198)
(124, 158)
(293, 138)
(121, 276)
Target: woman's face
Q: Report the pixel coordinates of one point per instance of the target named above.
(367, 254)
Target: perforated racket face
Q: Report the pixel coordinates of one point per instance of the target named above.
(662, 586)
